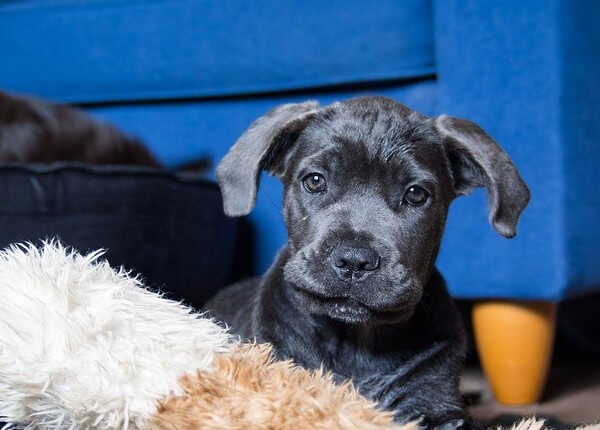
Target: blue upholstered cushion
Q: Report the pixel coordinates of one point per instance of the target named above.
(525, 71)
(112, 50)
(530, 77)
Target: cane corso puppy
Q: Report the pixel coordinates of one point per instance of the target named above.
(367, 186)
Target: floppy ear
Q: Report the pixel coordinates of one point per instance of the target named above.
(239, 171)
(477, 160)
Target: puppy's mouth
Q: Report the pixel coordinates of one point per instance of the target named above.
(347, 309)
(381, 299)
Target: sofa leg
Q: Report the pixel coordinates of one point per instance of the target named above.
(514, 341)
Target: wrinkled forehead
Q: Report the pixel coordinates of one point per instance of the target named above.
(372, 141)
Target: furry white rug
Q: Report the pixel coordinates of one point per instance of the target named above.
(85, 346)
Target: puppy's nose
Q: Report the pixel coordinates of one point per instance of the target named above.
(353, 263)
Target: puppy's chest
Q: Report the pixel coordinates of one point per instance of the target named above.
(347, 360)
(384, 377)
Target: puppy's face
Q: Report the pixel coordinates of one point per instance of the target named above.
(367, 188)
(366, 196)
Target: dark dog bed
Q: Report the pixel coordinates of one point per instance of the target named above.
(168, 227)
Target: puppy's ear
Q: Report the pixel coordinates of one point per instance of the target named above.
(477, 160)
(239, 171)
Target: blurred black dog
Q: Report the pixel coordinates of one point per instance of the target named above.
(367, 184)
(35, 131)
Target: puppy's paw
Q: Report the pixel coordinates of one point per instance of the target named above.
(457, 424)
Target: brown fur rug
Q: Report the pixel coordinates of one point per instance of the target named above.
(248, 390)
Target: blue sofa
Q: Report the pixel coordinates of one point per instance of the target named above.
(188, 76)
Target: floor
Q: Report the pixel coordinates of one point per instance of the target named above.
(572, 396)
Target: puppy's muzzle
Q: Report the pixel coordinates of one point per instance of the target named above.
(353, 263)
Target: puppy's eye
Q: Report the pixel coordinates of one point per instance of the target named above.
(416, 195)
(314, 183)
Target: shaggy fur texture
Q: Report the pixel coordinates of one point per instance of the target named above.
(251, 391)
(529, 424)
(83, 346)
(537, 424)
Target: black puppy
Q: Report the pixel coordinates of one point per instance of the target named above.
(367, 188)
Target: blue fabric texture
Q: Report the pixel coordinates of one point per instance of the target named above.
(189, 76)
(99, 50)
(526, 73)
